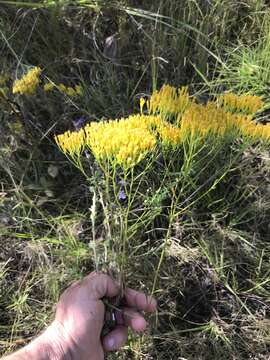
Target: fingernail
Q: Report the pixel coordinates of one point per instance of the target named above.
(110, 343)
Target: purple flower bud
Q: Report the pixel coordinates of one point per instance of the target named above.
(78, 123)
(122, 195)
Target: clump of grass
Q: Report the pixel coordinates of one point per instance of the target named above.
(246, 68)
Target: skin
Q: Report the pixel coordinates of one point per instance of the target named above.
(75, 332)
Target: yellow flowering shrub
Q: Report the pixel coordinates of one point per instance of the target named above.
(209, 119)
(264, 131)
(79, 90)
(127, 141)
(28, 83)
(246, 103)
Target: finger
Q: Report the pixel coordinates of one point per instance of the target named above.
(100, 285)
(115, 339)
(140, 301)
(134, 319)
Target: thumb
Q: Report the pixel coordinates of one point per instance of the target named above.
(99, 285)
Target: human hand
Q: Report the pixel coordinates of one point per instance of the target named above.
(76, 330)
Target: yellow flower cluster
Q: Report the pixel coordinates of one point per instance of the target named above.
(166, 132)
(253, 130)
(127, 141)
(124, 142)
(28, 83)
(119, 142)
(206, 119)
(68, 90)
(169, 134)
(71, 142)
(209, 119)
(262, 132)
(49, 86)
(150, 122)
(167, 101)
(246, 103)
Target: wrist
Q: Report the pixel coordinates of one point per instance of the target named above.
(54, 343)
(41, 349)
(50, 345)
(61, 346)
(47, 346)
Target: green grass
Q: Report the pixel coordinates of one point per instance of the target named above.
(247, 68)
(213, 285)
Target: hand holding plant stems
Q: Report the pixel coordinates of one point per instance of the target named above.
(75, 333)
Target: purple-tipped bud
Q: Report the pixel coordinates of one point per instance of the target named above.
(78, 123)
(122, 195)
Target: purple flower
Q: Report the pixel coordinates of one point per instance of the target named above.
(122, 195)
(78, 123)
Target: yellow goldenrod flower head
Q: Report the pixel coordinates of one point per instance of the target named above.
(208, 119)
(124, 142)
(168, 101)
(150, 122)
(204, 120)
(79, 90)
(48, 86)
(142, 103)
(265, 132)
(62, 88)
(70, 91)
(71, 143)
(170, 135)
(254, 131)
(28, 83)
(248, 104)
